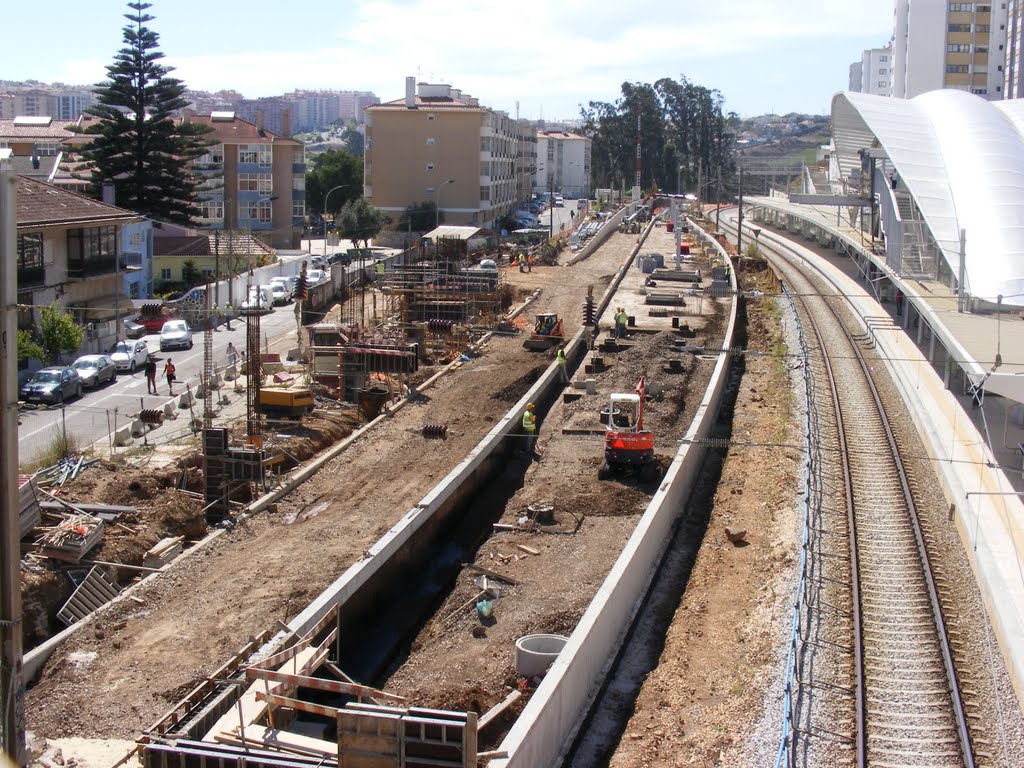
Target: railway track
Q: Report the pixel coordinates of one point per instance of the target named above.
(885, 630)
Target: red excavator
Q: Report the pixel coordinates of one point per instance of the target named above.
(627, 445)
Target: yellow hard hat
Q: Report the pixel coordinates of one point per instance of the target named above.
(529, 406)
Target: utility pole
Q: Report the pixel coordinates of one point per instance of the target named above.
(718, 201)
(12, 687)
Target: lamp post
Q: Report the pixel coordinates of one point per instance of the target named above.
(332, 189)
(437, 197)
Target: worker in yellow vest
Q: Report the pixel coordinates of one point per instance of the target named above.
(530, 427)
(621, 320)
(563, 371)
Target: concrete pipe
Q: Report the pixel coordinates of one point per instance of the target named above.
(535, 653)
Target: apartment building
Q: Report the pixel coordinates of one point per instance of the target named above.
(254, 179)
(72, 250)
(563, 163)
(439, 144)
(876, 72)
(59, 102)
(37, 146)
(938, 45)
(1013, 82)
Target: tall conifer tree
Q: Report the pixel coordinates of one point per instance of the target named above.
(136, 144)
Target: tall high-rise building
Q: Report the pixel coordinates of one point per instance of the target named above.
(1013, 82)
(938, 44)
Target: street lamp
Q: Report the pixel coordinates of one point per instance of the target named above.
(332, 189)
(437, 196)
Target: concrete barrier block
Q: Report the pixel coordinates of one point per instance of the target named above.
(217, 381)
(138, 429)
(123, 436)
(186, 400)
(230, 374)
(169, 411)
(199, 389)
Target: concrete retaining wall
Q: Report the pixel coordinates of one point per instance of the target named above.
(610, 226)
(548, 724)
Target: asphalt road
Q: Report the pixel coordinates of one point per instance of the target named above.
(99, 411)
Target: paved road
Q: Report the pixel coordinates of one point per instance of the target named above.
(93, 416)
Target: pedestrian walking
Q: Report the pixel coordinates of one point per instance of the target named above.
(169, 373)
(232, 354)
(563, 370)
(530, 428)
(150, 369)
(900, 298)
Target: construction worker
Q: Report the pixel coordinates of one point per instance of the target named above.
(529, 263)
(621, 319)
(522, 262)
(530, 427)
(563, 371)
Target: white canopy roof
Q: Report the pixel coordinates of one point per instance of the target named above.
(962, 159)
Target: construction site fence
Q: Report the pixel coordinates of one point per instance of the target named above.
(546, 728)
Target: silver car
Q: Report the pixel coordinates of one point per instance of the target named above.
(95, 370)
(175, 335)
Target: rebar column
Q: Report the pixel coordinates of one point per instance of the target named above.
(254, 375)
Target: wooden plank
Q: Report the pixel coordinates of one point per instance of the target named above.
(299, 705)
(319, 684)
(492, 574)
(273, 738)
(528, 550)
(494, 712)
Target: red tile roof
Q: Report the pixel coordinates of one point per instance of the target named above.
(55, 131)
(42, 205)
(437, 103)
(239, 131)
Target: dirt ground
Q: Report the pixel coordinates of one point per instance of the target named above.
(135, 662)
(708, 690)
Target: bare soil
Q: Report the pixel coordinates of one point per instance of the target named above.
(132, 664)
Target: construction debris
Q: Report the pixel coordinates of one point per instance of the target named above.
(28, 504)
(164, 552)
(95, 591)
(72, 538)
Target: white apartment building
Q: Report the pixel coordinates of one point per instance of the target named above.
(938, 44)
(856, 70)
(563, 163)
(876, 71)
(1013, 82)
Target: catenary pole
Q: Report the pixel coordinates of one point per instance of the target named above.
(12, 689)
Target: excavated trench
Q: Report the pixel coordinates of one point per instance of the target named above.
(609, 716)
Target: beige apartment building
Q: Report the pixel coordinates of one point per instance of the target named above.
(440, 145)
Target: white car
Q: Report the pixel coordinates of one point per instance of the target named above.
(259, 298)
(129, 355)
(281, 289)
(315, 276)
(175, 335)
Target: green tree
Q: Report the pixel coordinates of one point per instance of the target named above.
(334, 168)
(135, 143)
(419, 217)
(360, 221)
(189, 273)
(28, 347)
(58, 333)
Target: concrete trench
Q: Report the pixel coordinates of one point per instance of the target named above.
(429, 542)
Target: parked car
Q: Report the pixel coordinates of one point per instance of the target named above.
(259, 298)
(286, 283)
(175, 335)
(134, 329)
(94, 370)
(129, 355)
(51, 385)
(314, 276)
(279, 293)
(339, 258)
(317, 262)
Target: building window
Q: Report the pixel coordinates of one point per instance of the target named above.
(982, 27)
(258, 211)
(430, 141)
(256, 182)
(214, 156)
(979, 91)
(430, 116)
(211, 209)
(299, 209)
(955, 7)
(30, 260)
(956, 68)
(984, 9)
(165, 274)
(883, 58)
(430, 167)
(257, 154)
(958, 48)
(92, 251)
(47, 148)
(133, 290)
(959, 27)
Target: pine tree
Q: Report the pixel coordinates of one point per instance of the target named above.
(136, 143)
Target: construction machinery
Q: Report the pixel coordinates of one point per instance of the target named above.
(547, 332)
(628, 447)
(289, 403)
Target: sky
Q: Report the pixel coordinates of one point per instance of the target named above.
(540, 59)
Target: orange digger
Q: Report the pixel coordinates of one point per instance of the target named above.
(628, 447)
(547, 332)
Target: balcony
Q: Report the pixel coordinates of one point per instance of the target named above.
(31, 277)
(94, 266)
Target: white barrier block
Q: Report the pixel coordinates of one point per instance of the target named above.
(169, 412)
(217, 380)
(138, 428)
(186, 399)
(123, 436)
(230, 374)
